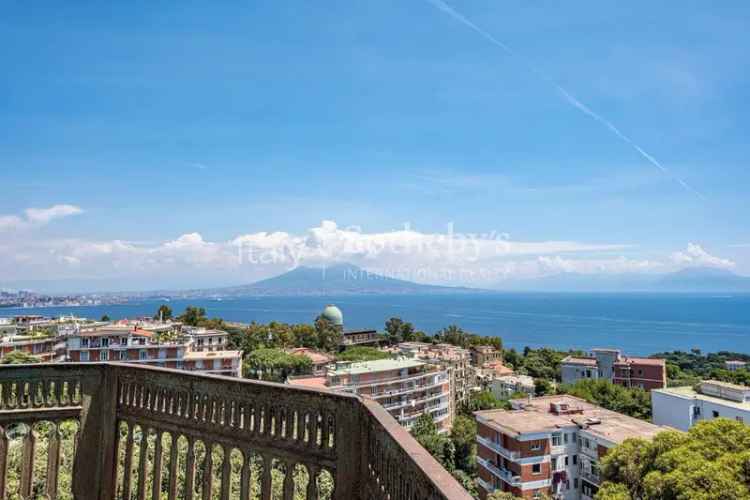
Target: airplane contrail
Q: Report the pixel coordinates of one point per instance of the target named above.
(443, 6)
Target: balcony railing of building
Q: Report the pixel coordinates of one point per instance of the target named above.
(497, 448)
(504, 474)
(104, 431)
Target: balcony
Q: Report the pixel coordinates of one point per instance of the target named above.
(510, 455)
(97, 430)
(592, 477)
(504, 474)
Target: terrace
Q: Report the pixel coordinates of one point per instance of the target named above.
(143, 432)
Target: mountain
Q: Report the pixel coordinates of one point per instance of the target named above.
(341, 279)
(704, 279)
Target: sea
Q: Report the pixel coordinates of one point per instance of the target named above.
(639, 324)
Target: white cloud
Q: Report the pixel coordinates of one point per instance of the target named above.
(449, 257)
(696, 256)
(45, 215)
(37, 216)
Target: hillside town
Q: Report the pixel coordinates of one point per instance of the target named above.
(536, 428)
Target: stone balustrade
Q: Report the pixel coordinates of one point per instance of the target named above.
(111, 430)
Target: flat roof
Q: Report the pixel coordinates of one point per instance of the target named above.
(690, 393)
(377, 366)
(643, 361)
(313, 382)
(212, 354)
(576, 360)
(536, 417)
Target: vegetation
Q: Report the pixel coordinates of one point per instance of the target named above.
(19, 358)
(689, 368)
(455, 335)
(398, 330)
(362, 353)
(275, 365)
(541, 363)
(105, 318)
(329, 335)
(483, 400)
(164, 312)
(635, 402)
(711, 461)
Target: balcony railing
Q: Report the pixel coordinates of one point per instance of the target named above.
(102, 431)
(504, 474)
(497, 448)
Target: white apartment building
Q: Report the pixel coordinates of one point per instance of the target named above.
(683, 407)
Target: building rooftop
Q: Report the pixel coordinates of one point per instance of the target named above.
(313, 382)
(537, 416)
(642, 361)
(375, 366)
(576, 360)
(312, 354)
(690, 393)
(211, 354)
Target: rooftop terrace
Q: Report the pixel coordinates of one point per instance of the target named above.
(536, 416)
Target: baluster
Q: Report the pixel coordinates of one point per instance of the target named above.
(208, 472)
(245, 475)
(265, 482)
(325, 431)
(58, 393)
(53, 461)
(142, 464)
(156, 484)
(226, 473)
(3, 460)
(312, 482)
(173, 468)
(190, 469)
(128, 464)
(289, 481)
(27, 463)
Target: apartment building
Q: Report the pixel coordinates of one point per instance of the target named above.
(134, 344)
(407, 388)
(206, 339)
(733, 365)
(456, 360)
(46, 348)
(483, 354)
(683, 407)
(612, 365)
(550, 445)
(507, 385)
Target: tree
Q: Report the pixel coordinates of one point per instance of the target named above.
(19, 358)
(501, 495)
(710, 461)
(393, 330)
(329, 335)
(543, 387)
(464, 435)
(483, 400)
(164, 312)
(275, 365)
(192, 316)
(105, 318)
(438, 445)
(635, 402)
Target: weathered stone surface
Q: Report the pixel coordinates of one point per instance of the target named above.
(128, 414)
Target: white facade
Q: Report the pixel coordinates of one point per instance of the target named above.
(683, 407)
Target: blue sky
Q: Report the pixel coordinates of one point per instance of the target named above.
(158, 120)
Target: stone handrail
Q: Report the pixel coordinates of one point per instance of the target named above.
(147, 432)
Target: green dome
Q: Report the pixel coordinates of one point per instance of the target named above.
(333, 314)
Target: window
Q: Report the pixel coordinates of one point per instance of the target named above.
(696, 411)
(84, 342)
(536, 446)
(716, 414)
(123, 355)
(143, 354)
(536, 469)
(575, 459)
(566, 461)
(84, 356)
(105, 342)
(565, 438)
(556, 440)
(103, 355)
(575, 483)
